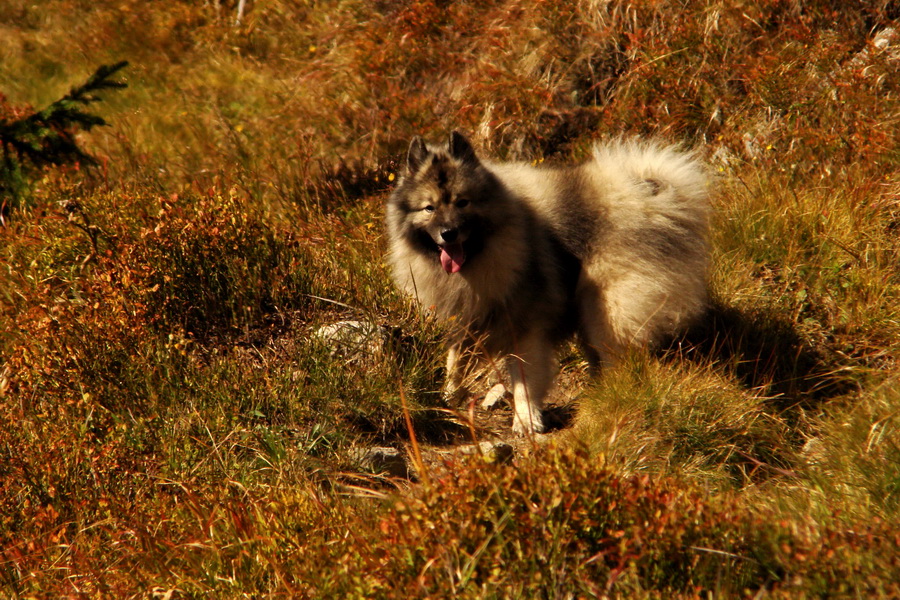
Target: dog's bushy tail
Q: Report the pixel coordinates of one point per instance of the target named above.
(657, 165)
(654, 267)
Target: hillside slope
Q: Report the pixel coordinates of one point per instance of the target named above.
(173, 426)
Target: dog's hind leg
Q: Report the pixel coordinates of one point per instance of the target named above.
(531, 373)
(595, 335)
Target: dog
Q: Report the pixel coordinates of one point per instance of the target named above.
(521, 258)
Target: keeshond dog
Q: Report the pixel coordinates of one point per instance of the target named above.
(521, 258)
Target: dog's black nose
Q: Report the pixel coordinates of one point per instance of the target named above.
(449, 235)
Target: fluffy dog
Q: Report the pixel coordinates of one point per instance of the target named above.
(521, 258)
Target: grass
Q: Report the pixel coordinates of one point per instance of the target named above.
(172, 425)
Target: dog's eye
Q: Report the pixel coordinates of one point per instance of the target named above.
(462, 203)
(429, 209)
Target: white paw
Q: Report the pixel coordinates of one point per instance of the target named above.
(494, 396)
(529, 424)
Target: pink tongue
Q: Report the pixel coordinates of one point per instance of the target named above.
(452, 257)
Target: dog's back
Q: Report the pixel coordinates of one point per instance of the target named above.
(636, 216)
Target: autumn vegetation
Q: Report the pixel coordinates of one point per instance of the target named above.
(171, 425)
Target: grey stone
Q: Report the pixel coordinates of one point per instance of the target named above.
(492, 452)
(383, 460)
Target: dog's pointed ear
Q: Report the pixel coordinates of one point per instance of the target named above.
(461, 149)
(416, 155)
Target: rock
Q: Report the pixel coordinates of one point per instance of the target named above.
(384, 461)
(885, 42)
(758, 139)
(814, 451)
(354, 339)
(492, 452)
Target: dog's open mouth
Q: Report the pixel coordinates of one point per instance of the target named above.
(452, 257)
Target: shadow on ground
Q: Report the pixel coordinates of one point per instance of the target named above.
(765, 352)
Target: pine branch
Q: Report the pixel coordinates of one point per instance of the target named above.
(47, 137)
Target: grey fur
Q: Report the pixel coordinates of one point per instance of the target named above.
(522, 257)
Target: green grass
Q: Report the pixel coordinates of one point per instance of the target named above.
(171, 424)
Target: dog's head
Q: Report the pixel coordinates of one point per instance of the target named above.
(439, 205)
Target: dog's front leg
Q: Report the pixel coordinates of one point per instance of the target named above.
(454, 371)
(458, 359)
(530, 372)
